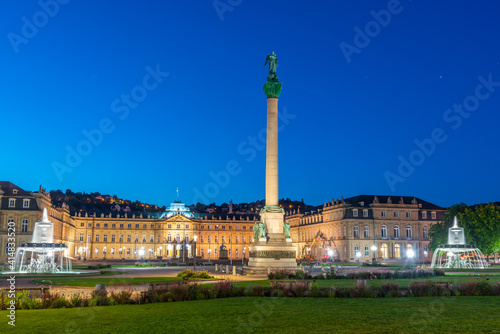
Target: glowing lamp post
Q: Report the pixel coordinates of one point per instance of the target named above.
(358, 255)
(141, 253)
(194, 256)
(374, 249)
(410, 253)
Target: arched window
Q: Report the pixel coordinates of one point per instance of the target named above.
(169, 237)
(384, 232)
(144, 238)
(408, 232)
(136, 238)
(81, 237)
(356, 232)
(396, 232)
(383, 250)
(397, 251)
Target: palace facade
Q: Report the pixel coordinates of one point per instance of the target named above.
(344, 230)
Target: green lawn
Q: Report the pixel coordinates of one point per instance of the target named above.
(91, 282)
(403, 283)
(271, 315)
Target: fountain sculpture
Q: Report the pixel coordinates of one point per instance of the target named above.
(42, 255)
(456, 253)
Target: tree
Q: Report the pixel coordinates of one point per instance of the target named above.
(483, 223)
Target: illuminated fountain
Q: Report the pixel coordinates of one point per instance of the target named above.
(457, 254)
(42, 255)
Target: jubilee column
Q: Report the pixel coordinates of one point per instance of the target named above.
(272, 247)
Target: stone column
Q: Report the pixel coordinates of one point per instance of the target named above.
(272, 198)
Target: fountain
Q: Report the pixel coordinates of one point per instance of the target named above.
(457, 254)
(42, 255)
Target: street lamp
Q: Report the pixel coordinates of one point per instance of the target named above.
(358, 255)
(410, 253)
(194, 258)
(141, 253)
(374, 249)
(330, 254)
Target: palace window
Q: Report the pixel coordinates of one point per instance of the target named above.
(426, 233)
(81, 237)
(26, 203)
(345, 231)
(216, 227)
(24, 225)
(237, 240)
(169, 237)
(112, 225)
(356, 250)
(143, 238)
(178, 225)
(97, 238)
(384, 232)
(367, 251)
(120, 251)
(355, 212)
(136, 225)
(408, 232)
(223, 227)
(384, 214)
(396, 232)
(128, 251)
(96, 250)
(121, 225)
(178, 238)
(82, 224)
(223, 239)
(12, 203)
(187, 225)
(152, 238)
(105, 225)
(408, 214)
(97, 225)
(105, 238)
(383, 250)
(136, 238)
(424, 214)
(356, 232)
(365, 213)
(128, 237)
(216, 239)
(112, 238)
(89, 225)
(121, 238)
(112, 251)
(144, 226)
(89, 237)
(366, 233)
(104, 251)
(129, 225)
(201, 239)
(396, 214)
(397, 251)
(158, 239)
(186, 237)
(209, 239)
(433, 215)
(169, 225)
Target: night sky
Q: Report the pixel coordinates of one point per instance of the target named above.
(379, 97)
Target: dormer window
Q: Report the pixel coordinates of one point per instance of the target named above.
(433, 215)
(12, 203)
(26, 203)
(355, 212)
(365, 213)
(15, 191)
(424, 215)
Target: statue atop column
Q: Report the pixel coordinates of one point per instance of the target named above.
(272, 59)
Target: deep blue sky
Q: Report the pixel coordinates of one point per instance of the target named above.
(351, 121)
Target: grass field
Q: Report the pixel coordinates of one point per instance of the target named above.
(403, 283)
(91, 282)
(271, 315)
